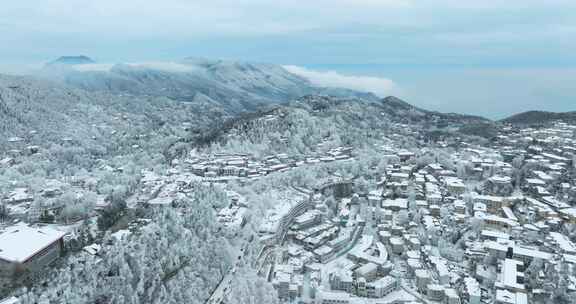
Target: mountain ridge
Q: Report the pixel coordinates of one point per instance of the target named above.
(71, 60)
(58, 118)
(537, 117)
(349, 115)
(237, 86)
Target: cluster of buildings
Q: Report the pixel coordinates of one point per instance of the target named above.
(481, 224)
(458, 224)
(325, 259)
(230, 166)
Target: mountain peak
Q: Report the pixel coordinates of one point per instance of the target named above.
(72, 60)
(397, 103)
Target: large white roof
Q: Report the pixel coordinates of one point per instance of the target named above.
(20, 242)
(11, 300)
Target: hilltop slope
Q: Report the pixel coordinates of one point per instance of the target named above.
(301, 124)
(540, 117)
(91, 124)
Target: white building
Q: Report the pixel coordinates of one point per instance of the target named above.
(472, 290)
(435, 292)
(342, 280)
(508, 297)
(330, 297)
(26, 248)
(368, 271)
(11, 300)
(423, 278)
(384, 286)
(511, 276)
(451, 296)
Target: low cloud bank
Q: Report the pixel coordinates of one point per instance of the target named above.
(93, 67)
(166, 66)
(377, 85)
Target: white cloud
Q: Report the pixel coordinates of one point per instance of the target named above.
(389, 30)
(142, 18)
(377, 85)
(166, 66)
(176, 18)
(93, 67)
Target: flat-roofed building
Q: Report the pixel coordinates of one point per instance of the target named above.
(563, 242)
(368, 271)
(512, 276)
(329, 297)
(423, 278)
(502, 248)
(395, 205)
(499, 222)
(324, 253)
(25, 248)
(455, 185)
(493, 235)
(383, 286)
(451, 296)
(441, 269)
(342, 280)
(508, 297)
(493, 203)
(435, 292)
(11, 300)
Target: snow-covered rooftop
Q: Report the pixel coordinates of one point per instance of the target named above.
(20, 242)
(11, 300)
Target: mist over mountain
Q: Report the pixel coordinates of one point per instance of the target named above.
(235, 86)
(87, 102)
(103, 109)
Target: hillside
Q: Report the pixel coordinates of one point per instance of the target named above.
(74, 125)
(298, 126)
(540, 117)
(401, 111)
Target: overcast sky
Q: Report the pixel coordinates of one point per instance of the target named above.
(512, 34)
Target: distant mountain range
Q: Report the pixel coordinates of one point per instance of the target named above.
(71, 60)
(124, 108)
(540, 117)
(115, 107)
(234, 86)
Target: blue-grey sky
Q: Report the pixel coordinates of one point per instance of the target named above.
(512, 55)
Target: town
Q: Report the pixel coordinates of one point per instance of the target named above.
(453, 222)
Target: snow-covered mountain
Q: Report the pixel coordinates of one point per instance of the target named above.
(91, 125)
(157, 107)
(71, 60)
(235, 86)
